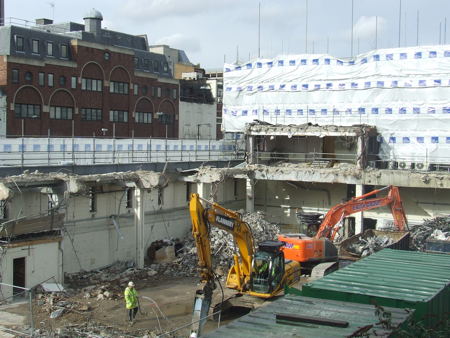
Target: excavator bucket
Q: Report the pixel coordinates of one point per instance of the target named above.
(202, 303)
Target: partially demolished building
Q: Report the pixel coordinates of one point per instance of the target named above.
(320, 130)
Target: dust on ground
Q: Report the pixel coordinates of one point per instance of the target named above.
(166, 305)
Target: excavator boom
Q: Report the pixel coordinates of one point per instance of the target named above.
(336, 214)
(320, 248)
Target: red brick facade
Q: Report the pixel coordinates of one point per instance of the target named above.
(88, 61)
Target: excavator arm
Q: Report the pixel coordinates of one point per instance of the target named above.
(335, 215)
(231, 222)
(239, 274)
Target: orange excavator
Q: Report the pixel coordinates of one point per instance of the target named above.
(320, 248)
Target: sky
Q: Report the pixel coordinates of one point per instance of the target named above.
(216, 31)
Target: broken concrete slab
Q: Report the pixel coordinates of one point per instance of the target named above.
(308, 129)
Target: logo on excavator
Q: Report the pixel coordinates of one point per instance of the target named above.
(225, 221)
(366, 205)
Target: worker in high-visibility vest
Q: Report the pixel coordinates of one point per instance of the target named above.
(131, 301)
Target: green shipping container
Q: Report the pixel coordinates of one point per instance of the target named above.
(394, 278)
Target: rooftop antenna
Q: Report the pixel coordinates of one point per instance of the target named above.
(445, 30)
(376, 32)
(259, 30)
(399, 22)
(417, 24)
(306, 26)
(52, 5)
(351, 35)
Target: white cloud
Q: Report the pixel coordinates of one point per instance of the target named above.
(163, 9)
(366, 26)
(188, 44)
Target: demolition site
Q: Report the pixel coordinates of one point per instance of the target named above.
(148, 197)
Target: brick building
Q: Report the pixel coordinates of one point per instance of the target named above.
(73, 79)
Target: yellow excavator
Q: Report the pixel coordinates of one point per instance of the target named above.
(261, 273)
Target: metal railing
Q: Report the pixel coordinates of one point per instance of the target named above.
(25, 152)
(308, 157)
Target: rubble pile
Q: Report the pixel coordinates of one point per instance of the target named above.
(435, 228)
(222, 247)
(89, 330)
(56, 304)
(107, 283)
(367, 246)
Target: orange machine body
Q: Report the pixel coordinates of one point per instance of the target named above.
(301, 248)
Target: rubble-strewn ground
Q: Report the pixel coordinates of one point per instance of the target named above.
(166, 304)
(93, 304)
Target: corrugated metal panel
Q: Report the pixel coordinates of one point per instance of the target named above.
(262, 322)
(402, 279)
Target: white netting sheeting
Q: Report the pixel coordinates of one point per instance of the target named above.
(404, 92)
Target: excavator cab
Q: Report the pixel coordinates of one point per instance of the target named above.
(267, 267)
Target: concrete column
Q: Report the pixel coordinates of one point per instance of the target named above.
(250, 195)
(250, 149)
(361, 152)
(204, 190)
(139, 224)
(359, 215)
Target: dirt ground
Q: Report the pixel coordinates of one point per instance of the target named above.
(174, 297)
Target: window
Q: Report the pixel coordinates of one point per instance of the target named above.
(50, 79)
(92, 200)
(41, 79)
(28, 76)
(91, 84)
(174, 94)
(144, 90)
(129, 198)
(64, 51)
(159, 91)
(135, 89)
(61, 113)
(136, 61)
(146, 64)
(118, 87)
(156, 66)
(62, 81)
(15, 76)
(166, 67)
(91, 114)
(35, 46)
(106, 56)
(118, 116)
(73, 82)
(3, 210)
(50, 48)
(143, 117)
(167, 92)
(20, 44)
(23, 110)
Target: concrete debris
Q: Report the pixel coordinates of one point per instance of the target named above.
(367, 246)
(90, 329)
(440, 235)
(222, 247)
(57, 313)
(263, 128)
(435, 228)
(79, 184)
